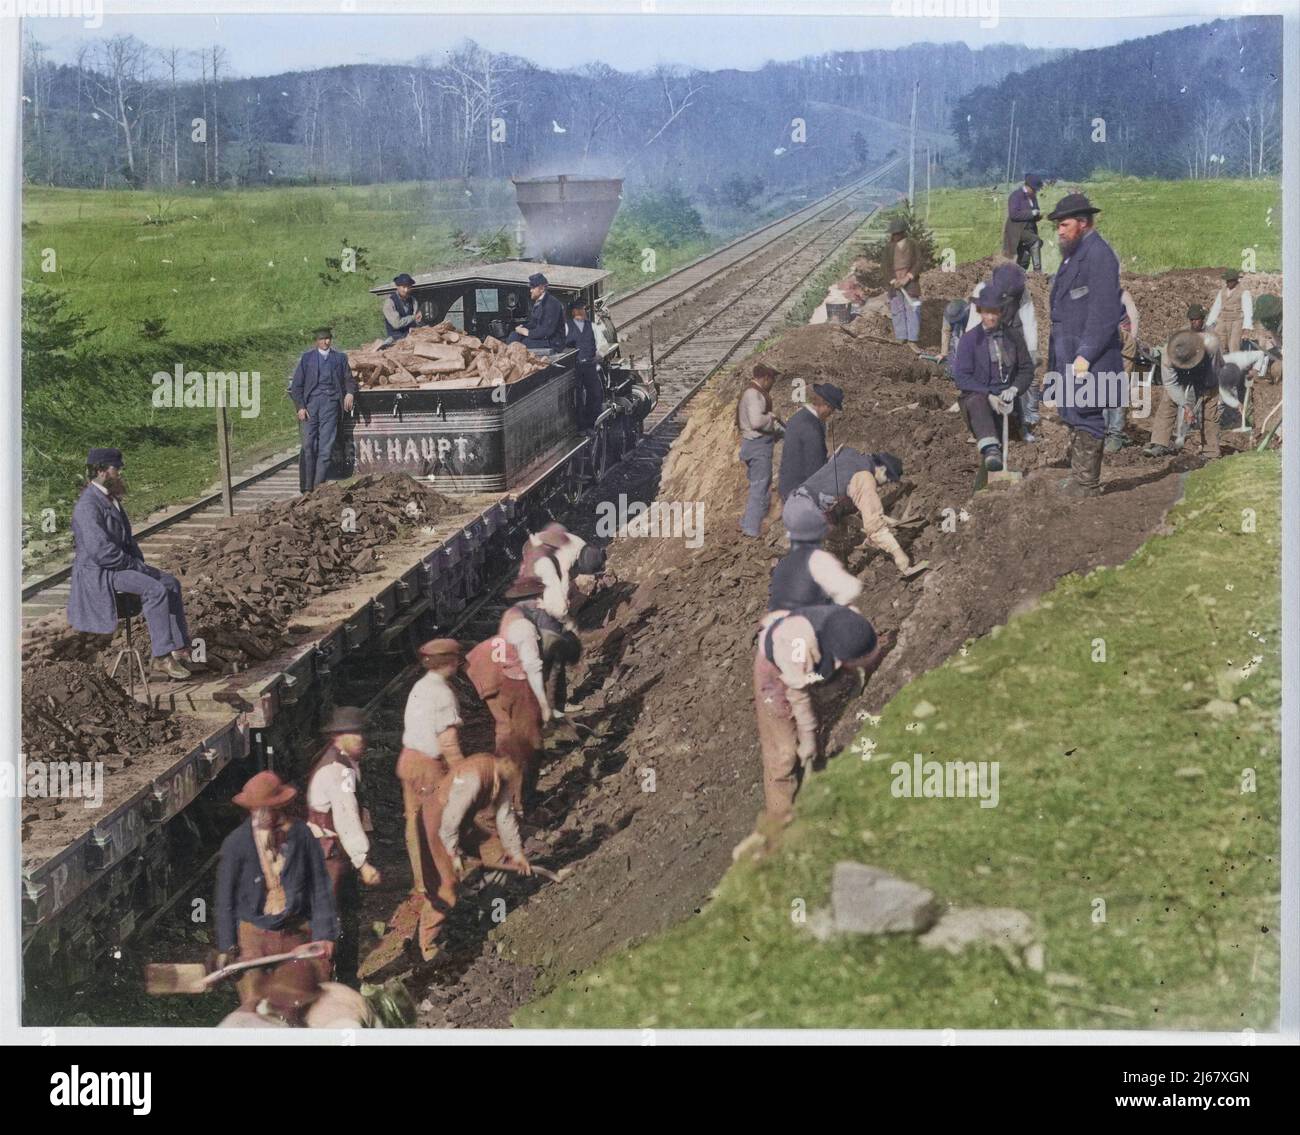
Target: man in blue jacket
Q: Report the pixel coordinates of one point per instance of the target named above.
(804, 450)
(322, 388)
(992, 369)
(543, 330)
(400, 311)
(1020, 240)
(273, 892)
(1085, 350)
(591, 393)
(107, 560)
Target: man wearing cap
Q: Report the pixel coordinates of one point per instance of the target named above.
(322, 388)
(430, 748)
(1192, 370)
(107, 562)
(1232, 311)
(804, 450)
(1084, 348)
(400, 311)
(1020, 241)
(796, 650)
(273, 891)
(1008, 281)
(339, 819)
(993, 369)
(856, 476)
(759, 429)
(808, 575)
(544, 329)
(904, 284)
(581, 336)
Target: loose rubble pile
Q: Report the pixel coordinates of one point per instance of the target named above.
(429, 355)
(244, 581)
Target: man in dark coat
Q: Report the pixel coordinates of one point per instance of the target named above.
(543, 330)
(1020, 240)
(273, 892)
(1085, 352)
(591, 392)
(107, 561)
(400, 311)
(322, 389)
(993, 368)
(804, 450)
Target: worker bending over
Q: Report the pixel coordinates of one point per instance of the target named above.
(854, 476)
(1193, 372)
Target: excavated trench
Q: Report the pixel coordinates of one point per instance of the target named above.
(647, 798)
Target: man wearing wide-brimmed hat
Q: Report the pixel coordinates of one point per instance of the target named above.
(339, 819)
(1192, 370)
(1020, 240)
(1085, 350)
(1232, 311)
(400, 311)
(903, 259)
(273, 892)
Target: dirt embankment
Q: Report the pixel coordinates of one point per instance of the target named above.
(654, 803)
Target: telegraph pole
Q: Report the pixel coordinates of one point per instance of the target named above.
(1011, 133)
(911, 151)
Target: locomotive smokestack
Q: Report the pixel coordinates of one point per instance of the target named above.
(568, 217)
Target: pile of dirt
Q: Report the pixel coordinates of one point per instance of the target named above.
(429, 355)
(245, 580)
(666, 681)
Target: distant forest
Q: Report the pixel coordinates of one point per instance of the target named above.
(126, 114)
(1197, 102)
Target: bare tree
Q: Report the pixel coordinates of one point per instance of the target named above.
(679, 89)
(118, 87)
(479, 85)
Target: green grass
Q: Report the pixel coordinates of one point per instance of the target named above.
(234, 278)
(815, 292)
(1154, 226)
(1096, 802)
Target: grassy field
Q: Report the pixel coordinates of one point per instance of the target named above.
(1121, 782)
(1154, 226)
(227, 281)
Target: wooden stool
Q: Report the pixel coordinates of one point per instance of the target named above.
(128, 607)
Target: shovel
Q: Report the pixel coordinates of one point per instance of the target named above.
(194, 977)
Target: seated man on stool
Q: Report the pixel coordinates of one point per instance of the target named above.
(107, 562)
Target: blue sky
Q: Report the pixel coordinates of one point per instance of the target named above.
(268, 44)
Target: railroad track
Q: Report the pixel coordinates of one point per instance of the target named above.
(683, 363)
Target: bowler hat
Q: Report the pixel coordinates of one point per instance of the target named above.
(537, 280)
(989, 299)
(1033, 181)
(1195, 311)
(405, 280)
(829, 393)
(440, 648)
(344, 719)
(1072, 205)
(99, 456)
(1186, 349)
(265, 790)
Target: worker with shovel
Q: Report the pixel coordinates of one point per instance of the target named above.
(796, 650)
(273, 892)
(1195, 377)
(855, 476)
(993, 368)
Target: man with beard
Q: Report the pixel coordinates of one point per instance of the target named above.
(107, 562)
(1085, 346)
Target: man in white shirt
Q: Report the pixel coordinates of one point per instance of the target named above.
(430, 749)
(338, 818)
(759, 429)
(1232, 312)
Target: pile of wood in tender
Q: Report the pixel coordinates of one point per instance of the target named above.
(429, 355)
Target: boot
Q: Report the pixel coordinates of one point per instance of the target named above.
(1114, 444)
(992, 455)
(1036, 252)
(1085, 466)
